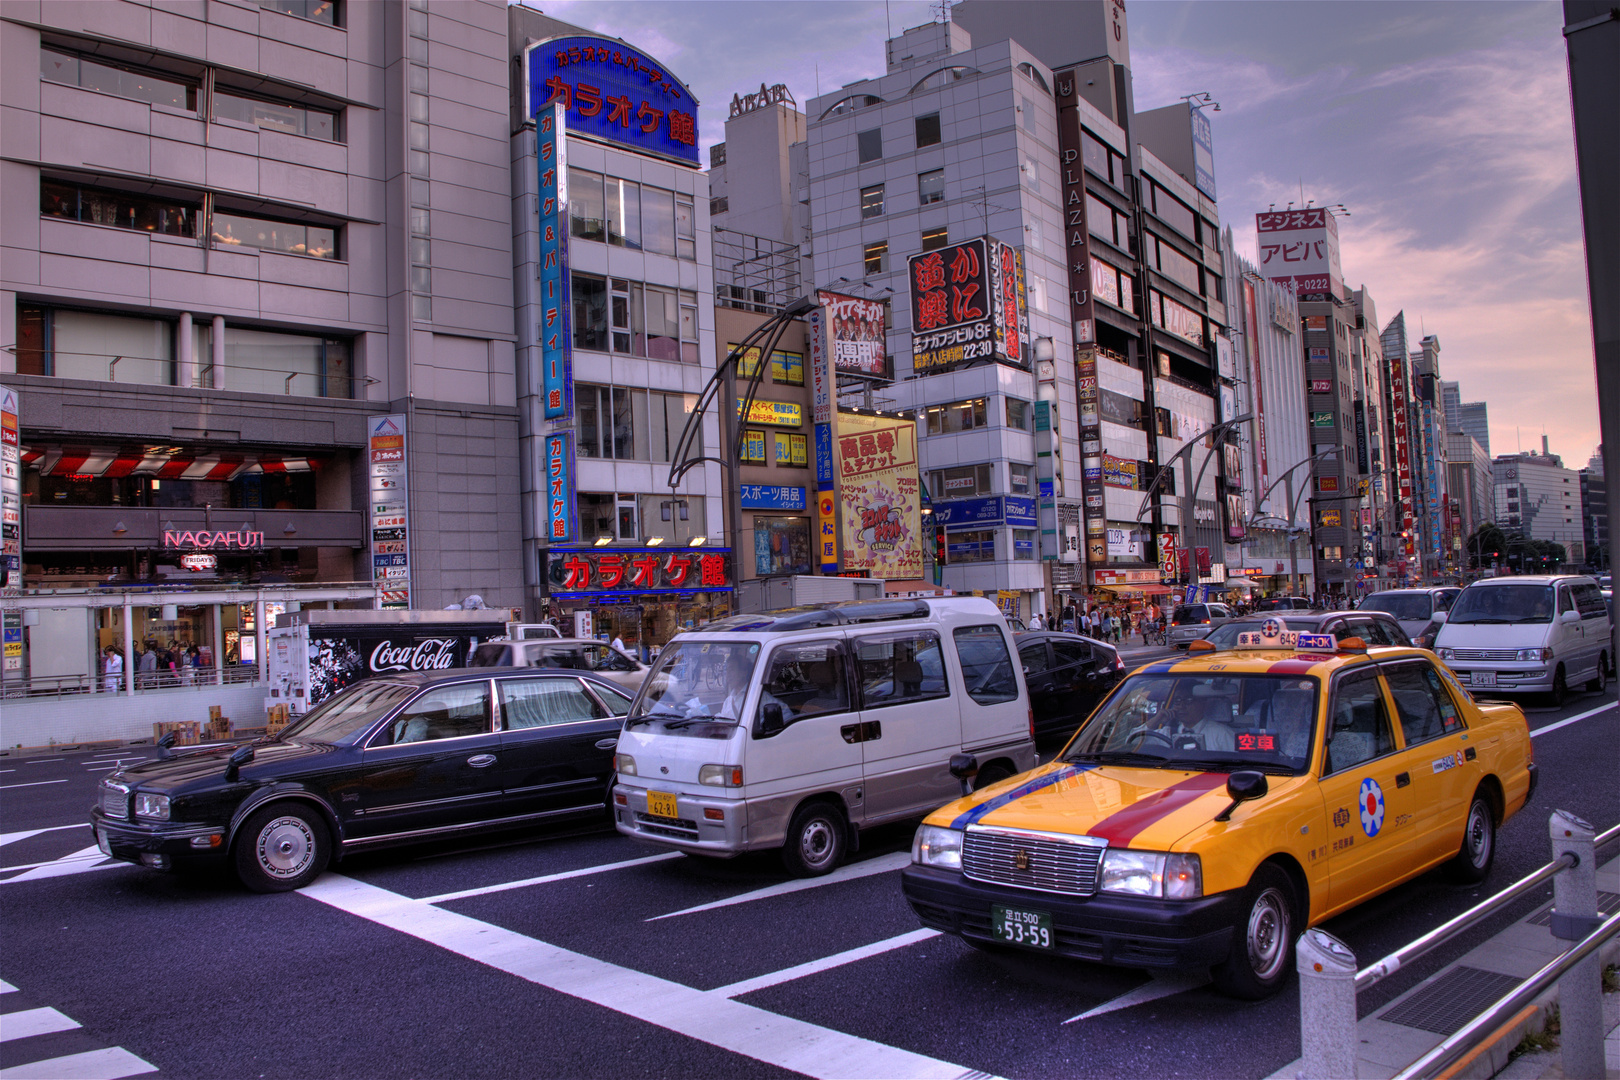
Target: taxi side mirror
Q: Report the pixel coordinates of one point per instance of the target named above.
(1243, 786)
(965, 767)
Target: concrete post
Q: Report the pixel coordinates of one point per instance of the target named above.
(262, 676)
(217, 353)
(129, 651)
(185, 361)
(1327, 1007)
(219, 647)
(1580, 991)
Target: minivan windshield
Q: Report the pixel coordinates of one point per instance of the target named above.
(349, 712)
(1502, 604)
(1190, 613)
(697, 680)
(1406, 607)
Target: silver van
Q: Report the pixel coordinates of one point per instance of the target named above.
(796, 729)
(580, 654)
(1540, 633)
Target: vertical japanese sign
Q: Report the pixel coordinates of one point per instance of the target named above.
(11, 528)
(1400, 423)
(554, 333)
(558, 448)
(822, 386)
(1095, 515)
(879, 494)
(826, 502)
(1251, 348)
(1008, 304)
(1082, 310)
(390, 508)
(1299, 250)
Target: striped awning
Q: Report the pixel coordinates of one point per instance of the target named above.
(163, 463)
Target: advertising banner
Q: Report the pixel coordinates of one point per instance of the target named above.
(1167, 556)
(1203, 152)
(558, 448)
(1361, 437)
(10, 497)
(879, 496)
(1399, 422)
(390, 496)
(556, 339)
(1321, 386)
(953, 311)
(856, 335)
(823, 388)
(1076, 238)
(1118, 472)
(777, 413)
(765, 497)
(827, 531)
(592, 572)
(1011, 315)
(1251, 346)
(341, 656)
(614, 93)
(1299, 250)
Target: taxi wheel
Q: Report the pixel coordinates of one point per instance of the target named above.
(281, 848)
(1560, 688)
(815, 841)
(1262, 953)
(1473, 860)
(1600, 681)
(990, 774)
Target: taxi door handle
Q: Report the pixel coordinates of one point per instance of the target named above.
(478, 761)
(1402, 779)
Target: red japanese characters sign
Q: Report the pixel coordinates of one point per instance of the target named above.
(953, 321)
(1299, 249)
(610, 91)
(599, 571)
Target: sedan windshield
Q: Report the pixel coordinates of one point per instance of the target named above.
(1203, 721)
(1406, 607)
(349, 713)
(697, 680)
(1503, 604)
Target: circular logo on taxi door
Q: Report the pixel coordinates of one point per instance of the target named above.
(1372, 807)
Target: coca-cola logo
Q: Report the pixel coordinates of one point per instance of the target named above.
(430, 654)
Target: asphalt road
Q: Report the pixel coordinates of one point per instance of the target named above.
(601, 969)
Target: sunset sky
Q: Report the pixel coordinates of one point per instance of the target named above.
(1443, 127)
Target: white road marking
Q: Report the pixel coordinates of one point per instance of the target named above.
(79, 862)
(44, 761)
(7, 988)
(730, 1025)
(34, 783)
(1161, 986)
(13, 837)
(880, 865)
(109, 1064)
(563, 876)
(1572, 719)
(30, 1022)
(799, 971)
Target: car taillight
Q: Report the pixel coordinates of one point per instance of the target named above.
(1119, 662)
(1032, 721)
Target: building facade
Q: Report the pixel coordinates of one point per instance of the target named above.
(1595, 513)
(1539, 499)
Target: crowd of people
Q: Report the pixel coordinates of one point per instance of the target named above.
(156, 664)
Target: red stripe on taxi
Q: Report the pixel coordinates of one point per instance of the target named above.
(1294, 667)
(1121, 827)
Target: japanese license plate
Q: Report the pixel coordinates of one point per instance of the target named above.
(1032, 929)
(661, 804)
(101, 842)
(1482, 678)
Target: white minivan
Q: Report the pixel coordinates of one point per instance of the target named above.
(1541, 633)
(796, 729)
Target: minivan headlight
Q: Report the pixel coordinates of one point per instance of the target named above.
(1152, 873)
(1541, 655)
(938, 847)
(151, 806)
(1446, 654)
(721, 775)
(624, 764)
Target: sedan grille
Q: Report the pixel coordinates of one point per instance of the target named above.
(1485, 654)
(115, 800)
(1047, 864)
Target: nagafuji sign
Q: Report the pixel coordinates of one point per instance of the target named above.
(205, 539)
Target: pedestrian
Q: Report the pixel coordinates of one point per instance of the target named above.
(618, 642)
(112, 667)
(1035, 622)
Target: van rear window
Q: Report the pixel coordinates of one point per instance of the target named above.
(986, 665)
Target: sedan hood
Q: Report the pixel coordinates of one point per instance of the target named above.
(189, 766)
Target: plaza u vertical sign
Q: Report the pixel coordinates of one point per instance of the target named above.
(556, 341)
(389, 469)
(11, 631)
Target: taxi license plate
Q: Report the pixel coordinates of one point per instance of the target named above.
(1482, 678)
(1032, 929)
(101, 842)
(661, 804)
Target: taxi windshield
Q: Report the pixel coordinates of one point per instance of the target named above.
(695, 681)
(1204, 720)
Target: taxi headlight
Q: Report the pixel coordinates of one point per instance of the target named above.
(1152, 873)
(939, 847)
(155, 807)
(624, 764)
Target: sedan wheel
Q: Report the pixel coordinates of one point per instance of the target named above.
(280, 848)
(1472, 863)
(1262, 940)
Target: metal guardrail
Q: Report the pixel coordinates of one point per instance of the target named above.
(60, 686)
(1329, 981)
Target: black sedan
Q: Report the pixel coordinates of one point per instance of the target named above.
(1373, 627)
(391, 760)
(1067, 675)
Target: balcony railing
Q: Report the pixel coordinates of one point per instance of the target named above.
(201, 374)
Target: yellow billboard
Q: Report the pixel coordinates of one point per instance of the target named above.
(879, 495)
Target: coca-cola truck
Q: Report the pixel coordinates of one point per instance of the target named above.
(313, 654)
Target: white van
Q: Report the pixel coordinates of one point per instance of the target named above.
(796, 729)
(1540, 633)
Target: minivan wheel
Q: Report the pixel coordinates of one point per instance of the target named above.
(1600, 681)
(815, 841)
(1560, 688)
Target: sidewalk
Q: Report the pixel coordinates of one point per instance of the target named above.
(1417, 1021)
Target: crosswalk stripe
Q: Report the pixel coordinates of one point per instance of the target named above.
(813, 967)
(849, 872)
(13, 837)
(547, 878)
(30, 1022)
(7, 988)
(109, 1064)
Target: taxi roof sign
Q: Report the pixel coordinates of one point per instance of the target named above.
(1273, 635)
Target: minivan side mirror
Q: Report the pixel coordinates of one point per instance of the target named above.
(1570, 617)
(1438, 617)
(770, 721)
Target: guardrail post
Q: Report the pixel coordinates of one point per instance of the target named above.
(1580, 990)
(1327, 1007)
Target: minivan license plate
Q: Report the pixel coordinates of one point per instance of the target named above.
(661, 804)
(1032, 929)
(1483, 678)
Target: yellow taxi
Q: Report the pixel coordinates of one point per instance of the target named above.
(1216, 805)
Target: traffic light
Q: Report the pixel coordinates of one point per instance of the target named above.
(939, 546)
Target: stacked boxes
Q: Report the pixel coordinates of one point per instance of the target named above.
(186, 732)
(276, 719)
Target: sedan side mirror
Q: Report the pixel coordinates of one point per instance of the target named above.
(770, 721)
(233, 768)
(163, 747)
(1243, 786)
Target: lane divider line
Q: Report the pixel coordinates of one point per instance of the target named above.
(7, 988)
(1577, 718)
(848, 872)
(730, 1025)
(826, 963)
(548, 878)
(1160, 986)
(32, 783)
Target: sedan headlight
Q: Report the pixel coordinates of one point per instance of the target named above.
(624, 764)
(1446, 654)
(1152, 873)
(936, 846)
(1541, 655)
(155, 807)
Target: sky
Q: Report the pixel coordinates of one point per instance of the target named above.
(1442, 125)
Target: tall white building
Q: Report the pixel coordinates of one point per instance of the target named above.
(1537, 496)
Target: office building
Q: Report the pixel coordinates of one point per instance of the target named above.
(1595, 513)
(1474, 419)
(1470, 483)
(1538, 498)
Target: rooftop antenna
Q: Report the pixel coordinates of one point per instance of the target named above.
(944, 11)
(888, 23)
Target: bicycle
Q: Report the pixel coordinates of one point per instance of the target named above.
(1153, 636)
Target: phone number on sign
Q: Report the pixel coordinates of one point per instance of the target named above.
(960, 354)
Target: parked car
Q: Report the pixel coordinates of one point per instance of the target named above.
(578, 654)
(390, 760)
(1067, 675)
(1215, 807)
(1373, 627)
(1283, 603)
(1190, 622)
(1537, 633)
(1415, 609)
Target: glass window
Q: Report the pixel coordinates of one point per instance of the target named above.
(685, 230)
(1173, 212)
(1019, 479)
(124, 210)
(753, 446)
(872, 201)
(1023, 545)
(1033, 657)
(596, 516)
(663, 324)
(527, 703)
(590, 312)
(1027, 108)
(897, 668)
(261, 361)
(1426, 710)
(934, 239)
(931, 187)
(781, 545)
(1174, 265)
(987, 667)
(1482, 603)
(624, 428)
(63, 67)
(960, 482)
(275, 116)
(875, 256)
(957, 416)
(787, 368)
(976, 546)
(622, 213)
(869, 145)
(616, 702)
(442, 712)
(692, 680)
(628, 312)
(239, 230)
(322, 11)
(927, 130)
(807, 679)
(1070, 653)
(1018, 414)
(349, 712)
(657, 220)
(586, 205)
(1360, 724)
